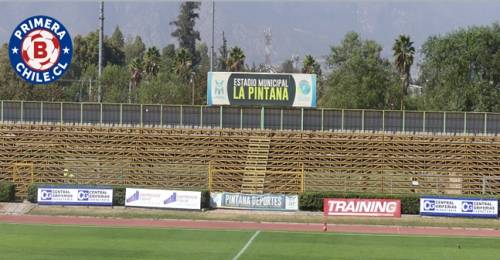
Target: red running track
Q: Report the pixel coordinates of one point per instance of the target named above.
(236, 225)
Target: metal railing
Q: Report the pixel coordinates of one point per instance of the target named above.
(254, 118)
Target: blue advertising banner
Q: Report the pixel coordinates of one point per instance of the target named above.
(78, 196)
(459, 207)
(254, 201)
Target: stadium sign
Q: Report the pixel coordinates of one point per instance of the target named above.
(40, 49)
(78, 196)
(459, 207)
(254, 201)
(261, 89)
(169, 199)
(362, 207)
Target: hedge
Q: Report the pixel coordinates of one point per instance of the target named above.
(7, 192)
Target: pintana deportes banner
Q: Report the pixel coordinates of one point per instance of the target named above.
(75, 196)
(362, 207)
(254, 201)
(261, 89)
(173, 199)
(459, 207)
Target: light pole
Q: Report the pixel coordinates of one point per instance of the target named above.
(101, 38)
(213, 25)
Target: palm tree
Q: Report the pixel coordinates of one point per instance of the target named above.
(136, 69)
(152, 62)
(403, 59)
(182, 64)
(310, 66)
(236, 60)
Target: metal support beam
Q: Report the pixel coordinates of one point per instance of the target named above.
(220, 116)
(61, 113)
(262, 118)
(485, 123)
(22, 111)
(302, 119)
(423, 122)
(41, 112)
(201, 116)
(181, 117)
(444, 122)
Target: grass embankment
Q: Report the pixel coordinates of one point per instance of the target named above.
(259, 216)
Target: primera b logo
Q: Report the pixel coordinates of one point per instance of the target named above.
(40, 49)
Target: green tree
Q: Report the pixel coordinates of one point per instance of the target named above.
(185, 31)
(182, 67)
(403, 59)
(168, 58)
(236, 60)
(12, 87)
(461, 70)
(152, 60)
(136, 72)
(360, 77)
(117, 38)
(114, 81)
(310, 66)
(223, 55)
(134, 49)
(166, 88)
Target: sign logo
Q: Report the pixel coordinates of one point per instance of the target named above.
(40, 49)
(467, 206)
(46, 195)
(134, 197)
(171, 199)
(219, 88)
(429, 205)
(83, 195)
(305, 88)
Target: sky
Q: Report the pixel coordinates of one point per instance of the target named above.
(297, 27)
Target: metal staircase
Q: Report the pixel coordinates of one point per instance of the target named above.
(256, 165)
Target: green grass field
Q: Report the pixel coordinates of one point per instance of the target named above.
(73, 242)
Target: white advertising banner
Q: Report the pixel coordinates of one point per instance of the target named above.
(170, 199)
(75, 196)
(261, 89)
(459, 207)
(254, 201)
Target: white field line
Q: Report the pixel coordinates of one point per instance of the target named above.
(247, 245)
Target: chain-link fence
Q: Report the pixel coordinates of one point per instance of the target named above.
(255, 118)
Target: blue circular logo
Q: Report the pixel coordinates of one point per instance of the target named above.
(304, 87)
(40, 49)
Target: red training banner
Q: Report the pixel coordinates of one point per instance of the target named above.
(362, 207)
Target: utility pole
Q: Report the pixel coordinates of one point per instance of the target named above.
(213, 24)
(101, 38)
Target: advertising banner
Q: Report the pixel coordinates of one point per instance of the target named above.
(169, 199)
(362, 207)
(254, 201)
(75, 196)
(459, 207)
(261, 89)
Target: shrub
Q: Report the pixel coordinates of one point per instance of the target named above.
(118, 196)
(205, 199)
(7, 192)
(33, 193)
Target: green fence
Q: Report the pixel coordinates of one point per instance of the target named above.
(249, 118)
